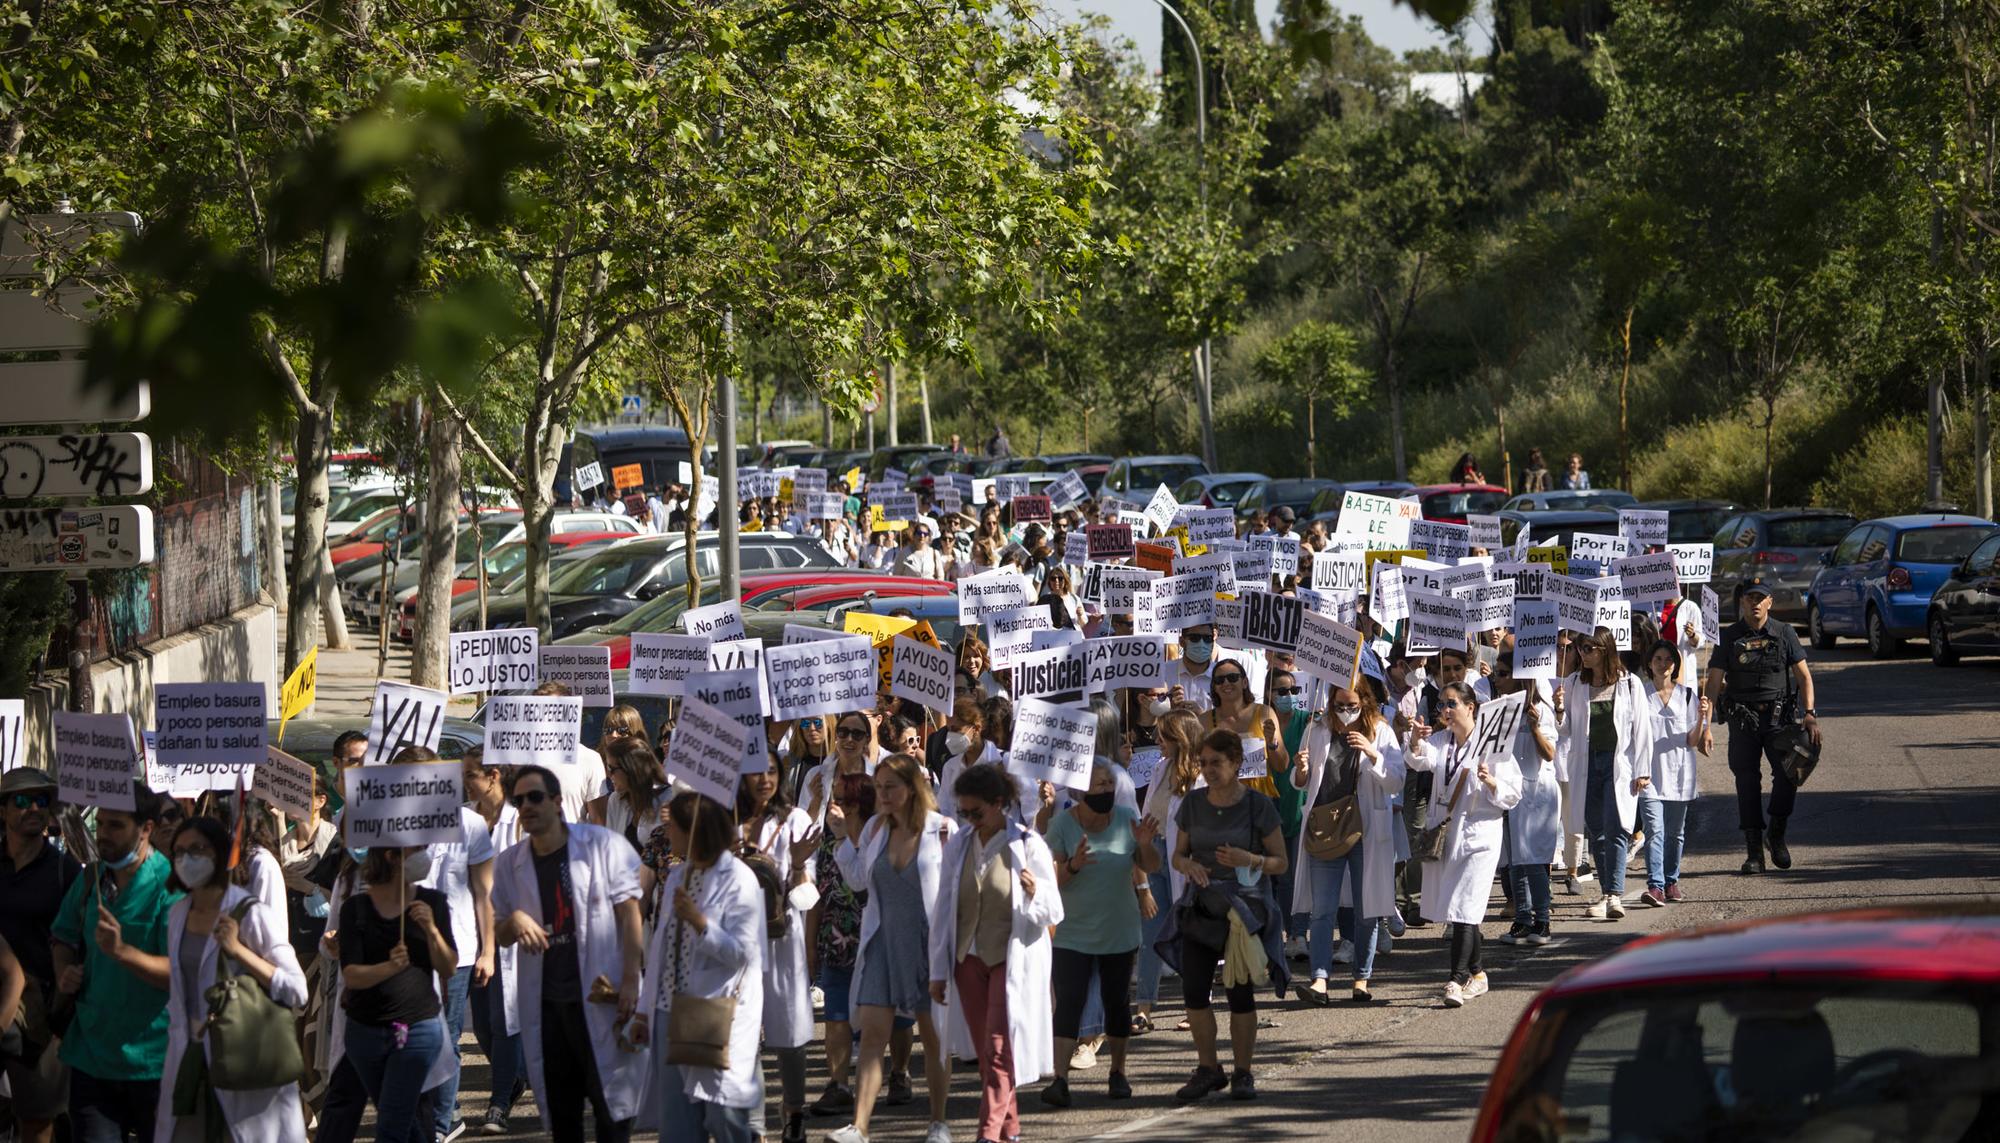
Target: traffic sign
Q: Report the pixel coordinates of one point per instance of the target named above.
(633, 405)
(73, 539)
(75, 464)
(30, 320)
(52, 393)
(26, 238)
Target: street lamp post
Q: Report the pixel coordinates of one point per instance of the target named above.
(1204, 387)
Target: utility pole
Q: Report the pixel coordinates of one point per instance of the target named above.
(1204, 359)
(889, 381)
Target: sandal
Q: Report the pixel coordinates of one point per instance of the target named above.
(1142, 1022)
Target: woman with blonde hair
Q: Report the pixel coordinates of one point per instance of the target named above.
(1180, 765)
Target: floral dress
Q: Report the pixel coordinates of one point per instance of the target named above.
(839, 908)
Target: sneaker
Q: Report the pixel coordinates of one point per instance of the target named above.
(1653, 898)
(1315, 993)
(940, 1132)
(847, 1134)
(1383, 941)
(1539, 935)
(1396, 927)
(452, 1133)
(1674, 893)
(1344, 954)
(1084, 1057)
(495, 1122)
(795, 1128)
(898, 1092)
(1600, 909)
(1119, 1088)
(1242, 1086)
(1616, 908)
(837, 1098)
(1197, 1088)
(1513, 935)
(1477, 986)
(1057, 1093)
(1454, 997)
(1573, 886)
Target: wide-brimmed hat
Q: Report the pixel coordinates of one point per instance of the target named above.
(24, 778)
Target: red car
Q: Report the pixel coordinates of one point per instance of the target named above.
(1450, 503)
(1866, 1024)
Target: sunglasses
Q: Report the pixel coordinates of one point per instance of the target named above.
(618, 732)
(849, 734)
(529, 798)
(1450, 704)
(1228, 680)
(1290, 690)
(38, 801)
(812, 724)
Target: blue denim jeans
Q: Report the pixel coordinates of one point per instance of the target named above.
(1665, 823)
(503, 1052)
(111, 1111)
(1609, 842)
(394, 1076)
(1328, 877)
(1151, 967)
(685, 1120)
(445, 1095)
(1531, 893)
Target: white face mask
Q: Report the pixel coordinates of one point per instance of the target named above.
(417, 866)
(957, 742)
(1346, 714)
(1160, 706)
(194, 869)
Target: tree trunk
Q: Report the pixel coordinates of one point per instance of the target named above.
(273, 510)
(1312, 442)
(311, 563)
(1395, 385)
(1934, 439)
(924, 402)
(826, 424)
(541, 453)
(1624, 437)
(1086, 430)
(1506, 458)
(889, 383)
(1982, 425)
(429, 641)
(1770, 418)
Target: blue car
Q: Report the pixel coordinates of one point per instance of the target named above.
(1878, 581)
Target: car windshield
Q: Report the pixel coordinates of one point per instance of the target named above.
(606, 573)
(1576, 501)
(1460, 503)
(662, 613)
(1945, 545)
(1171, 474)
(1804, 1061)
(1293, 492)
(505, 558)
(1695, 525)
(1808, 531)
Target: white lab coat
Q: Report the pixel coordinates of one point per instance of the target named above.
(268, 1115)
(1671, 763)
(817, 790)
(788, 1010)
(604, 872)
(506, 834)
(267, 884)
(1628, 761)
(726, 960)
(855, 862)
(1534, 825)
(1030, 1021)
(1374, 792)
(1464, 879)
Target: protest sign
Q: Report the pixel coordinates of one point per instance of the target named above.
(1223, 564)
(1382, 523)
(1010, 487)
(287, 783)
(1229, 624)
(1053, 671)
(627, 477)
(13, 723)
(403, 715)
(503, 660)
(989, 593)
(1144, 768)
(413, 804)
(1575, 600)
(588, 476)
(1616, 616)
(1556, 557)
(738, 693)
(1711, 616)
(1184, 544)
(1693, 563)
(1054, 637)
(1250, 568)
(1536, 635)
(1010, 633)
(1498, 720)
(1483, 532)
(895, 505)
(879, 628)
(1649, 578)
(826, 506)
(720, 621)
(982, 491)
(1437, 622)
(880, 523)
(1253, 758)
(921, 674)
(948, 501)
(1161, 508)
(1442, 540)
(1145, 610)
(1030, 510)
(1155, 557)
(300, 691)
(586, 671)
(660, 662)
(828, 677)
(1284, 552)
(808, 483)
(1122, 661)
(1109, 541)
(1339, 576)
(1327, 649)
(1076, 549)
(1069, 489)
(1488, 606)
(1183, 601)
(95, 756)
(1527, 578)
(746, 481)
(1053, 744)
(1206, 525)
(1597, 550)
(1391, 599)
(209, 722)
(532, 730)
(1119, 585)
(1272, 621)
(1642, 528)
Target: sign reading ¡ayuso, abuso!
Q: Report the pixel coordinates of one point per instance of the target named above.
(508, 659)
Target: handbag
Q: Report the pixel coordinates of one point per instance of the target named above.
(1429, 845)
(252, 1039)
(1204, 919)
(1333, 829)
(697, 1026)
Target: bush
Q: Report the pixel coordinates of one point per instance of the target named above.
(1886, 472)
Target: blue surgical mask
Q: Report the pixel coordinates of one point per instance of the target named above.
(125, 862)
(1288, 704)
(1198, 650)
(359, 855)
(1246, 875)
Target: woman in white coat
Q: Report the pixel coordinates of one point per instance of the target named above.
(708, 942)
(1534, 825)
(218, 919)
(1667, 782)
(1469, 799)
(853, 753)
(898, 860)
(1352, 753)
(782, 832)
(989, 946)
(1605, 737)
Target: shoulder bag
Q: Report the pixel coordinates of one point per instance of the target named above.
(252, 1039)
(1429, 845)
(697, 1026)
(1334, 828)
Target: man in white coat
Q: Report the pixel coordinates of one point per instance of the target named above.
(569, 898)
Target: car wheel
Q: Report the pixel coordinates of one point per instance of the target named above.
(1943, 654)
(1816, 628)
(1880, 645)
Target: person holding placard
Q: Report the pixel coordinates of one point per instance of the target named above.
(920, 559)
(1534, 825)
(1349, 774)
(706, 961)
(583, 781)
(462, 870)
(965, 744)
(1606, 740)
(495, 998)
(218, 920)
(569, 897)
(898, 860)
(1667, 785)
(776, 831)
(1235, 710)
(304, 845)
(639, 791)
(394, 938)
(1188, 679)
(1469, 801)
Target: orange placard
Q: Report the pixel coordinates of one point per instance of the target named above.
(1155, 557)
(628, 475)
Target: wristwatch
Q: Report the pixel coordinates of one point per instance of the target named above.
(1811, 714)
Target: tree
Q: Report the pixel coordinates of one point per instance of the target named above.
(1314, 363)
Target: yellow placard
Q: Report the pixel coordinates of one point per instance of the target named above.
(1394, 556)
(876, 522)
(879, 628)
(1556, 556)
(1188, 547)
(854, 480)
(299, 690)
(785, 488)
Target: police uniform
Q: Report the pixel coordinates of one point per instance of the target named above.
(1759, 701)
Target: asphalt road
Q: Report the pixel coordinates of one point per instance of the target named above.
(1901, 810)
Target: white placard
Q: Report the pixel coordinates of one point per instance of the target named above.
(209, 722)
(1253, 758)
(1076, 548)
(1229, 625)
(826, 506)
(1575, 600)
(588, 476)
(1010, 633)
(989, 593)
(738, 693)
(13, 720)
(95, 756)
(532, 730)
(1527, 578)
(1537, 633)
(403, 715)
(1327, 650)
(1251, 568)
(1342, 576)
(1057, 670)
(831, 676)
(1616, 615)
(921, 674)
(413, 804)
(1206, 525)
(502, 660)
(1053, 744)
(1284, 552)
(806, 483)
(896, 505)
(1442, 540)
(1484, 532)
(660, 662)
(1693, 563)
(287, 783)
(1391, 599)
(1145, 766)
(1643, 528)
(707, 751)
(1648, 578)
(1120, 584)
(1272, 621)
(1223, 564)
(1183, 601)
(1067, 490)
(1125, 661)
(586, 671)
(1381, 523)
(1161, 508)
(1596, 549)
(1488, 606)
(718, 621)
(1711, 616)
(1437, 622)
(1054, 637)
(1145, 610)
(1011, 485)
(982, 490)
(745, 655)
(1498, 720)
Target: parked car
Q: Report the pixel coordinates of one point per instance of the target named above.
(820, 596)
(1065, 462)
(1554, 529)
(898, 456)
(1878, 581)
(1866, 1024)
(1297, 494)
(1450, 503)
(1567, 501)
(374, 535)
(1965, 610)
(1691, 521)
(1214, 489)
(938, 610)
(563, 548)
(1132, 479)
(567, 520)
(349, 503)
(1781, 546)
(779, 453)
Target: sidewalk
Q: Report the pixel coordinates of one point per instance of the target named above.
(347, 678)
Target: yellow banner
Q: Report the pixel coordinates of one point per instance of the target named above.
(299, 691)
(877, 524)
(879, 628)
(1556, 557)
(1188, 547)
(854, 480)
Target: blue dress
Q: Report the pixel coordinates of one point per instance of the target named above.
(896, 973)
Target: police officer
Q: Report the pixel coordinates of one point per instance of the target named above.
(1759, 682)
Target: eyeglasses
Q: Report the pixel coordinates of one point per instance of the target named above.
(1228, 680)
(1450, 704)
(40, 801)
(529, 798)
(617, 732)
(849, 734)
(1290, 690)
(812, 724)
